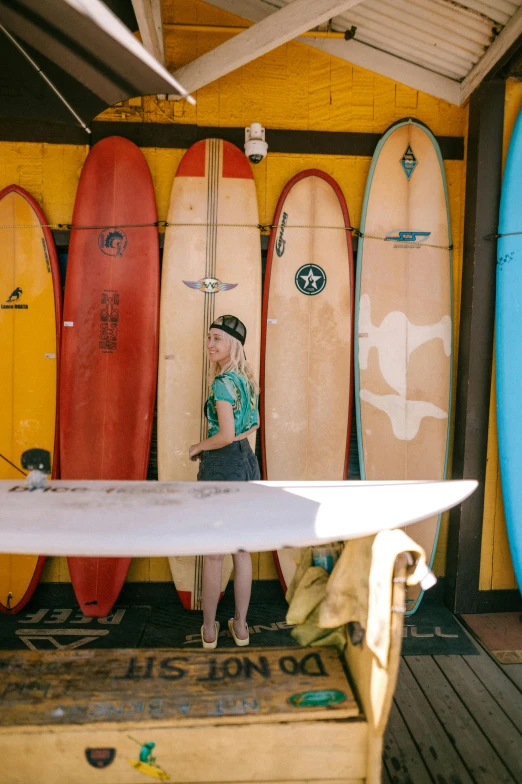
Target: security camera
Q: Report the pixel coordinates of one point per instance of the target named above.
(255, 145)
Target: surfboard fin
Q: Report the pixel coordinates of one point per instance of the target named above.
(37, 460)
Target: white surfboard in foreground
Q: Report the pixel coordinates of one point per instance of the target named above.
(100, 518)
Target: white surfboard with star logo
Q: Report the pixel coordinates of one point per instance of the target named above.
(307, 339)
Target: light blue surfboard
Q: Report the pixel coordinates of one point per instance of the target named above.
(509, 345)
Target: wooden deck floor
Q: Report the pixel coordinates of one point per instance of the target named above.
(455, 720)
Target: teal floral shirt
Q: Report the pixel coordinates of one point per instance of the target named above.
(236, 390)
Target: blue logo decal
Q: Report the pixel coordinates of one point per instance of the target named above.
(408, 162)
(405, 235)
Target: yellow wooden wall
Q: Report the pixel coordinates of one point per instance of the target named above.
(496, 568)
(294, 87)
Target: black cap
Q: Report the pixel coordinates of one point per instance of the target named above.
(232, 326)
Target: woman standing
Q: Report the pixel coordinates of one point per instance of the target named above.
(232, 413)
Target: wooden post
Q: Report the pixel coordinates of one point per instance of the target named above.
(374, 684)
(477, 321)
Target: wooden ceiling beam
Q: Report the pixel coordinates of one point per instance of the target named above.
(390, 66)
(358, 53)
(150, 24)
(276, 29)
(493, 56)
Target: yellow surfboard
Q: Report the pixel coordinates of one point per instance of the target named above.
(154, 771)
(30, 302)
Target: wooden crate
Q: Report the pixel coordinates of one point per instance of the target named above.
(262, 714)
(270, 713)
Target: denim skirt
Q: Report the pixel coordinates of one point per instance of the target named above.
(234, 463)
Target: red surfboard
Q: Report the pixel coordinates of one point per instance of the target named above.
(109, 341)
(307, 338)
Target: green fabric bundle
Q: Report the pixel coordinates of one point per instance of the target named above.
(304, 596)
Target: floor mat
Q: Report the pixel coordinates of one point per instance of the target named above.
(64, 628)
(53, 621)
(155, 618)
(171, 626)
(434, 630)
(500, 633)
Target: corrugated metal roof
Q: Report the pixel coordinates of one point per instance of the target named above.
(500, 11)
(442, 47)
(443, 36)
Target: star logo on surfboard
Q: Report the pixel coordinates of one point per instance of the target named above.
(408, 162)
(310, 279)
(209, 285)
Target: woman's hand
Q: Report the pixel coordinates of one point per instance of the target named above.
(223, 437)
(194, 451)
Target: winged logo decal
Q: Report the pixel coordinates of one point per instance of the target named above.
(209, 285)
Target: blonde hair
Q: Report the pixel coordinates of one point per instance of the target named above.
(238, 363)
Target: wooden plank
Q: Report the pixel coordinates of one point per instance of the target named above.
(514, 673)
(375, 684)
(148, 16)
(483, 667)
(499, 682)
(360, 54)
(507, 40)
(508, 600)
(395, 68)
(401, 756)
(279, 27)
(484, 166)
(179, 686)
(282, 752)
(28, 130)
(492, 489)
(304, 142)
(498, 679)
(182, 136)
(437, 750)
(471, 743)
(500, 730)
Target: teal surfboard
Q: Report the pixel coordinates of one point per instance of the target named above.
(509, 346)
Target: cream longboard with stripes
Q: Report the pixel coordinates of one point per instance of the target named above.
(404, 319)
(211, 267)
